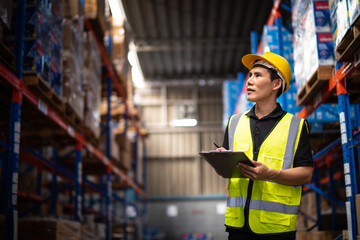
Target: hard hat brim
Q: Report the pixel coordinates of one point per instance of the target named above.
(249, 59)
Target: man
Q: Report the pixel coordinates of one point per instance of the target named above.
(264, 204)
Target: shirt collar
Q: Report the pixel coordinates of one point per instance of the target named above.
(277, 112)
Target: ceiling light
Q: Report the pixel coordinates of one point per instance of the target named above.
(116, 9)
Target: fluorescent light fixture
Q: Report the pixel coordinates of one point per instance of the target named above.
(131, 58)
(185, 122)
(117, 10)
(137, 75)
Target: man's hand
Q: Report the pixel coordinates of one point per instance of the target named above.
(259, 172)
(293, 176)
(221, 149)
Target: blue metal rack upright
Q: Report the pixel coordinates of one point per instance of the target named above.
(11, 165)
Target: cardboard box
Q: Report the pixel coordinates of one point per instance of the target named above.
(70, 9)
(340, 21)
(354, 10)
(321, 235)
(357, 205)
(44, 229)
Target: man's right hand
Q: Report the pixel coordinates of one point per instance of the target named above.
(221, 149)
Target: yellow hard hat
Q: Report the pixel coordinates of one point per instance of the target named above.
(277, 62)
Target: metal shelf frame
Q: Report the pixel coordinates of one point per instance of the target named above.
(14, 151)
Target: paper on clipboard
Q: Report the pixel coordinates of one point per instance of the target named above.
(225, 162)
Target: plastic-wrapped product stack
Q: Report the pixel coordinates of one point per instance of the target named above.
(313, 43)
(92, 84)
(73, 62)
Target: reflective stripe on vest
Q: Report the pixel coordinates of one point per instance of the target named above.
(289, 152)
(236, 201)
(263, 205)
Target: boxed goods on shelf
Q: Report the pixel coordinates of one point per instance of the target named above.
(71, 9)
(94, 10)
(119, 49)
(92, 84)
(42, 43)
(340, 22)
(73, 62)
(115, 153)
(354, 10)
(317, 235)
(231, 92)
(270, 39)
(41, 229)
(313, 43)
(6, 12)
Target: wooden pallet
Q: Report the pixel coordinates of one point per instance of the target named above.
(36, 83)
(317, 81)
(350, 43)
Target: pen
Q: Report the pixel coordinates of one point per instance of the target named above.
(216, 145)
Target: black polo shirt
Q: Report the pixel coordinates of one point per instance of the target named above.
(260, 129)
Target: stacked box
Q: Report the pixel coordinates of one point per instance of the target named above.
(5, 12)
(95, 11)
(42, 48)
(340, 22)
(56, 47)
(92, 84)
(37, 47)
(114, 146)
(41, 229)
(119, 48)
(270, 39)
(73, 62)
(126, 150)
(71, 9)
(288, 100)
(313, 43)
(231, 92)
(354, 10)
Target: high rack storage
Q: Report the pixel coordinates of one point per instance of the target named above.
(42, 111)
(337, 85)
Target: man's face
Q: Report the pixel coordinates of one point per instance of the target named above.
(259, 85)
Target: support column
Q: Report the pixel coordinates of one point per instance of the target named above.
(54, 186)
(78, 182)
(108, 155)
(349, 163)
(11, 168)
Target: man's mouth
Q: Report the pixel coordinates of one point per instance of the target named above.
(250, 90)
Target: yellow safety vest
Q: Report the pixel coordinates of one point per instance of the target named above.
(272, 207)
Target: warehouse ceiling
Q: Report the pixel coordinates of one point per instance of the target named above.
(194, 39)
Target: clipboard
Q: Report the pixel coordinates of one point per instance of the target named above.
(225, 162)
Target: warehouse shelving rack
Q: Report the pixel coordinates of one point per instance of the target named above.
(348, 140)
(14, 150)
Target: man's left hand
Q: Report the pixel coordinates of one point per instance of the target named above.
(259, 172)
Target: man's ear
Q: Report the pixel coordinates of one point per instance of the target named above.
(277, 84)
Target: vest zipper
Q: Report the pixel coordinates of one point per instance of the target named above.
(251, 182)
